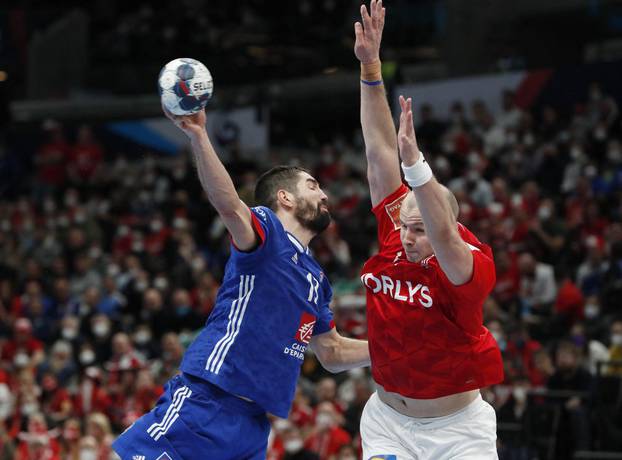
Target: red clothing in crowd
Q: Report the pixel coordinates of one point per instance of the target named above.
(327, 443)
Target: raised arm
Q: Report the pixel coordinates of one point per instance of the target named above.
(216, 181)
(452, 253)
(383, 169)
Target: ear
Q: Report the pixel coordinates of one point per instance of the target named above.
(285, 199)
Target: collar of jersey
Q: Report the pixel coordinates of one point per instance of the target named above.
(297, 243)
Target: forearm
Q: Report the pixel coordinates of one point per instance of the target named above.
(376, 120)
(453, 255)
(350, 354)
(213, 176)
(380, 137)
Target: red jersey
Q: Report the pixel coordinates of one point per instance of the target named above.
(426, 337)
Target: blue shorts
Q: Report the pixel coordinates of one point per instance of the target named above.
(194, 419)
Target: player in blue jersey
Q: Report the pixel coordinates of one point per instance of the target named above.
(272, 304)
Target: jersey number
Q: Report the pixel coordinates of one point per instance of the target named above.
(313, 287)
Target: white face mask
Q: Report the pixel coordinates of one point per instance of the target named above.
(591, 311)
(100, 329)
(520, 394)
(293, 445)
(87, 357)
(616, 339)
(69, 333)
(21, 359)
(323, 420)
(88, 454)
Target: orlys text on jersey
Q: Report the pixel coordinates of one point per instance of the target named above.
(403, 291)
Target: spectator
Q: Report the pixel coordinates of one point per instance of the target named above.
(294, 447)
(37, 443)
(571, 376)
(69, 439)
(537, 286)
(98, 427)
(23, 350)
(327, 437)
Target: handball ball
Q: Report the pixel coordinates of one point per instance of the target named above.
(185, 86)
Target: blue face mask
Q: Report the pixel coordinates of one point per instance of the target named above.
(182, 310)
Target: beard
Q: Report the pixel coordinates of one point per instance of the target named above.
(311, 217)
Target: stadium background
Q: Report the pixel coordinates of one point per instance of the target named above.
(110, 255)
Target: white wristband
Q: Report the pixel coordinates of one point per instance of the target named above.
(418, 174)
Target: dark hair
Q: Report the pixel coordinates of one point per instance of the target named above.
(279, 177)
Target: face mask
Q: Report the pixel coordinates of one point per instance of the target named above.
(591, 311)
(29, 408)
(69, 333)
(544, 212)
(182, 310)
(156, 226)
(142, 337)
(21, 359)
(600, 133)
(88, 454)
(160, 283)
(323, 420)
(576, 153)
(87, 357)
(293, 445)
(519, 394)
(349, 457)
(616, 339)
(101, 329)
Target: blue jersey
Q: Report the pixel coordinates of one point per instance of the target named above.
(271, 302)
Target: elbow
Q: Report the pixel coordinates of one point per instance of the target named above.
(328, 359)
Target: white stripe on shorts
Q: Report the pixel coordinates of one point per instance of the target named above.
(158, 429)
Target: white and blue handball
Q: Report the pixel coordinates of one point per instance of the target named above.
(185, 86)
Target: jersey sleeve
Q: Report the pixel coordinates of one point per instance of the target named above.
(467, 299)
(263, 221)
(325, 320)
(387, 214)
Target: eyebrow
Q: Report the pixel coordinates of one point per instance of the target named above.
(313, 181)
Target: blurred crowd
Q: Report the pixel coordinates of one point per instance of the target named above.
(109, 264)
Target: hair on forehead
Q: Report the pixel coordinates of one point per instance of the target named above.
(275, 179)
(410, 202)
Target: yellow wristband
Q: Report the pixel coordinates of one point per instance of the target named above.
(371, 71)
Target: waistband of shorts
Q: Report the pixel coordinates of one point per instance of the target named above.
(209, 390)
(433, 423)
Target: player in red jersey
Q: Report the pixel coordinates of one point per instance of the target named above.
(425, 289)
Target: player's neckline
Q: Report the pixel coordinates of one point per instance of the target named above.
(297, 243)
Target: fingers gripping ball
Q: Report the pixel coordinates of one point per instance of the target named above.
(185, 86)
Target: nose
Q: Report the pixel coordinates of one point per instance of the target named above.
(410, 237)
(323, 195)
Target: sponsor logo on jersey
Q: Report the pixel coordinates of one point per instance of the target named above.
(404, 291)
(138, 457)
(303, 336)
(164, 456)
(393, 210)
(261, 213)
(305, 328)
(295, 258)
(383, 457)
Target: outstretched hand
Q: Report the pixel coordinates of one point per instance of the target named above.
(406, 139)
(369, 33)
(189, 124)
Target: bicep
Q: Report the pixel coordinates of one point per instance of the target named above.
(456, 260)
